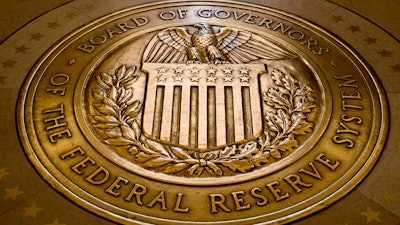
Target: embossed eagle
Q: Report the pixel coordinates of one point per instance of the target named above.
(177, 45)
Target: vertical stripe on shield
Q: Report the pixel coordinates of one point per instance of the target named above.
(202, 131)
(247, 120)
(194, 111)
(211, 117)
(176, 114)
(256, 113)
(220, 116)
(158, 111)
(229, 116)
(185, 118)
(166, 120)
(238, 113)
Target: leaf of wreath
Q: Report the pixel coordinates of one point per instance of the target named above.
(303, 104)
(112, 133)
(143, 148)
(120, 72)
(180, 153)
(303, 128)
(105, 119)
(276, 77)
(143, 157)
(124, 95)
(260, 158)
(128, 132)
(228, 152)
(241, 165)
(175, 168)
(101, 83)
(105, 109)
(133, 110)
(249, 149)
(303, 91)
(112, 104)
(136, 129)
(275, 153)
(106, 125)
(290, 83)
(98, 94)
(284, 120)
(130, 81)
(271, 123)
(106, 79)
(264, 141)
(245, 151)
(129, 76)
(157, 147)
(288, 144)
(157, 162)
(275, 99)
(113, 94)
(283, 90)
(121, 141)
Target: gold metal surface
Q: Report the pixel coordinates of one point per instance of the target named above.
(193, 112)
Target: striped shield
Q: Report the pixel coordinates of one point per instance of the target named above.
(202, 106)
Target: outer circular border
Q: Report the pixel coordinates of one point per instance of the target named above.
(88, 203)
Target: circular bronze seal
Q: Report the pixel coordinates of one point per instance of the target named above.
(187, 113)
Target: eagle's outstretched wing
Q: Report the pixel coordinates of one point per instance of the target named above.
(168, 46)
(242, 46)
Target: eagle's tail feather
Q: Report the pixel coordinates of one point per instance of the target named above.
(215, 54)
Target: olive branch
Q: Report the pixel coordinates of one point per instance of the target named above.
(119, 115)
(290, 102)
(118, 110)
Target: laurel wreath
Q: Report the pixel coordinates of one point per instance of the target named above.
(119, 114)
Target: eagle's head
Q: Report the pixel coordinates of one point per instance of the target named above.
(204, 28)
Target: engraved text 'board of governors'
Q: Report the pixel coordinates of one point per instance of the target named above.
(193, 112)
